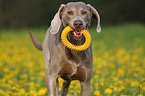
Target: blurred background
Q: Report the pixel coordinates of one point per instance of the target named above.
(37, 13)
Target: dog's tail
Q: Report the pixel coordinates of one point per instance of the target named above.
(36, 43)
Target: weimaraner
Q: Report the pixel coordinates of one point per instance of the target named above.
(61, 61)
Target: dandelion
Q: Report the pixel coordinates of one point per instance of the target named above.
(115, 89)
(6, 70)
(108, 91)
(143, 88)
(41, 92)
(96, 76)
(72, 91)
(96, 84)
(120, 82)
(78, 91)
(121, 88)
(22, 91)
(134, 83)
(14, 88)
(140, 95)
(6, 85)
(2, 92)
(23, 76)
(9, 92)
(15, 94)
(97, 93)
(121, 71)
(33, 92)
(111, 86)
(78, 86)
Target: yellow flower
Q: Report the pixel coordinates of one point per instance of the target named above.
(134, 83)
(72, 91)
(15, 94)
(96, 76)
(120, 52)
(140, 95)
(77, 86)
(22, 91)
(6, 85)
(14, 88)
(97, 93)
(120, 82)
(115, 89)
(6, 70)
(11, 82)
(2, 92)
(9, 92)
(96, 84)
(108, 91)
(41, 92)
(115, 79)
(111, 86)
(122, 88)
(139, 85)
(70, 87)
(32, 78)
(78, 91)
(33, 93)
(143, 88)
(121, 71)
(24, 76)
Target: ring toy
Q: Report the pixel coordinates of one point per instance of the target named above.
(72, 46)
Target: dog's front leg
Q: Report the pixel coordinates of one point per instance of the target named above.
(46, 78)
(53, 85)
(85, 89)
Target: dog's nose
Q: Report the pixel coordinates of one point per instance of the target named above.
(78, 23)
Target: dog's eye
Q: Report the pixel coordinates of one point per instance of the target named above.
(70, 12)
(84, 12)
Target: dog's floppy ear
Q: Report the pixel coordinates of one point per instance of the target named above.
(56, 22)
(96, 14)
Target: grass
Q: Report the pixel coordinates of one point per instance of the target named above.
(118, 66)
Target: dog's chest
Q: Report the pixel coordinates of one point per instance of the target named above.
(73, 67)
(72, 72)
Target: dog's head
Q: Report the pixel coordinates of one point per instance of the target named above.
(77, 15)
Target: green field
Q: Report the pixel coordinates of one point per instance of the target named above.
(118, 68)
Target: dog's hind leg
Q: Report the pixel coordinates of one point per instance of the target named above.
(65, 87)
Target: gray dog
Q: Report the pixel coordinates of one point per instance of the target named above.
(61, 61)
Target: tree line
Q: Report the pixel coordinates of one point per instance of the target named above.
(34, 13)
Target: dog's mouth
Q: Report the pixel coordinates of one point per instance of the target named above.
(77, 35)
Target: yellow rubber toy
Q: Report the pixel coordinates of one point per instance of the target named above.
(72, 46)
